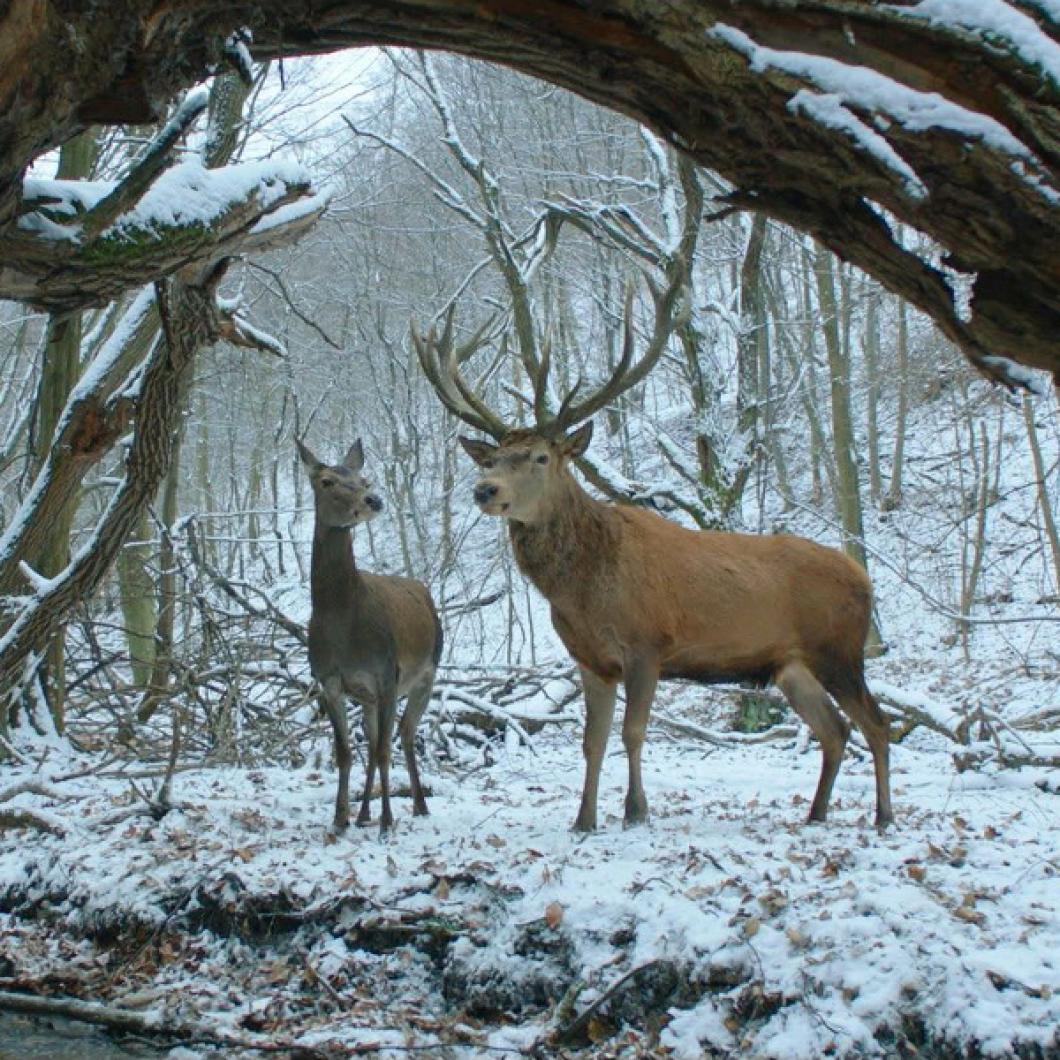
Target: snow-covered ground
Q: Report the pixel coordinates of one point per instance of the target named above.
(727, 926)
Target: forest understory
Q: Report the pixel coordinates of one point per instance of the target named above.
(230, 921)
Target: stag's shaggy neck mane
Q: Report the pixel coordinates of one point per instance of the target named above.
(569, 544)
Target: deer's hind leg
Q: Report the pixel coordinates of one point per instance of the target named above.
(334, 701)
(865, 712)
(811, 702)
(418, 699)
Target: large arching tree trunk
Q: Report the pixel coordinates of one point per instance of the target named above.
(950, 124)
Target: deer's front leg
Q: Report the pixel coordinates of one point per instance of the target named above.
(334, 702)
(370, 720)
(599, 713)
(641, 675)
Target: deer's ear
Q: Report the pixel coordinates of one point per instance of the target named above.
(354, 458)
(575, 444)
(311, 463)
(480, 452)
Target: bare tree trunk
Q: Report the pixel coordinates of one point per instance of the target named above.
(1045, 502)
(753, 355)
(164, 612)
(190, 319)
(207, 496)
(848, 494)
(137, 590)
(820, 466)
(872, 370)
(59, 372)
(893, 499)
(974, 545)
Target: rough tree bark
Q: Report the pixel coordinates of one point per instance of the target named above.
(724, 82)
(190, 318)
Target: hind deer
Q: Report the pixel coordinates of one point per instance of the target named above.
(372, 637)
(636, 598)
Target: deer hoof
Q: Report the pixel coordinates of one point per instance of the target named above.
(339, 825)
(636, 812)
(584, 825)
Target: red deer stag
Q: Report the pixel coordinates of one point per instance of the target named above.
(636, 598)
(372, 637)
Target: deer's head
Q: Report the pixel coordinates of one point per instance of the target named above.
(526, 467)
(342, 494)
(520, 474)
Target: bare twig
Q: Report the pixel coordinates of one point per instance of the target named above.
(579, 1024)
(12, 819)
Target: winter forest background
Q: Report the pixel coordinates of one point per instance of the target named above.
(793, 394)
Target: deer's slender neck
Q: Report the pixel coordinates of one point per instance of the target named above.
(568, 545)
(334, 578)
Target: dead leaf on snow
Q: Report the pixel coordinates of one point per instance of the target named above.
(553, 914)
(597, 1031)
(773, 901)
(969, 914)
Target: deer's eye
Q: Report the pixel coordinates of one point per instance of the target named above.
(542, 459)
(327, 484)
(488, 464)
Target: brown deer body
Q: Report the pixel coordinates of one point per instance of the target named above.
(636, 598)
(372, 637)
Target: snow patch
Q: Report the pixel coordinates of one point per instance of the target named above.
(870, 90)
(828, 109)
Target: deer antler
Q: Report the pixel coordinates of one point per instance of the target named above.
(626, 374)
(441, 361)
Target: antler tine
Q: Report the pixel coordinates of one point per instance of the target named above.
(564, 418)
(541, 382)
(430, 359)
(626, 374)
(488, 420)
(441, 362)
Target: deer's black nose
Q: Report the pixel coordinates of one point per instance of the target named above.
(374, 502)
(484, 491)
